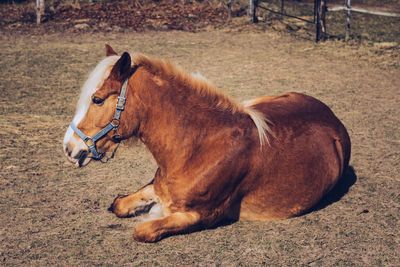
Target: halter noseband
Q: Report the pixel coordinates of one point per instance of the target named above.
(113, 125)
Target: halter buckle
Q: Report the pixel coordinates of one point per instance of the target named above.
(115, 123)
(121, 103)
(89, 141)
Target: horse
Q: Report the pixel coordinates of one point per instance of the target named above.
(270, 158)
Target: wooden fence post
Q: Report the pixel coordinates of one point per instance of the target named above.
(320, 11)
(39, 10)
(323, 18)
(229, 7)
(318, 20)
(253, 4)
(348, 18)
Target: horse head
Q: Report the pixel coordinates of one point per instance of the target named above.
(101, 118)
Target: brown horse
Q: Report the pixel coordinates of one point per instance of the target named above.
(270, 158)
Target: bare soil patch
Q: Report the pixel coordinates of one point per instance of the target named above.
(55, 214)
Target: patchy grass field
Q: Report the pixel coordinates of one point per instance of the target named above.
(55, 214)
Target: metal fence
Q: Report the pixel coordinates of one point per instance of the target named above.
(320, 9)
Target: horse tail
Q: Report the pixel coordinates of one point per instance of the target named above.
(343, 147)
(340, 155)
(343, 151)
(261, 123)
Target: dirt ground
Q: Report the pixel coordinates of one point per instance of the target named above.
(55, 214)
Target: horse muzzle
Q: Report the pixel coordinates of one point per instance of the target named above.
(80, 157)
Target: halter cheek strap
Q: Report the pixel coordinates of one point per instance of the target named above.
(112, 125)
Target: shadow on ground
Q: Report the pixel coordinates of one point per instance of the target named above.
(342, 187)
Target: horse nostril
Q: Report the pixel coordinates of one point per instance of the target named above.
(68, 150)
(81, 154)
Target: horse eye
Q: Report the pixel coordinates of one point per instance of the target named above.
(97, 100)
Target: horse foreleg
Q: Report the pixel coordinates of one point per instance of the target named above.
(175, 223)
(134, 204)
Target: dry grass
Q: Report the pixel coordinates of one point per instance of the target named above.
(54, 214)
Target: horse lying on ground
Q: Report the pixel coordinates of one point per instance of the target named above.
(270, 158)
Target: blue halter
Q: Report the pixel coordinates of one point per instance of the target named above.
(113, 125)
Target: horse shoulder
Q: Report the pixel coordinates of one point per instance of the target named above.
(209, 180)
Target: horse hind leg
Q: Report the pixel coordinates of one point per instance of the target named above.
(135, 204)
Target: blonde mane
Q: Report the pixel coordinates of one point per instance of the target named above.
(203, 87)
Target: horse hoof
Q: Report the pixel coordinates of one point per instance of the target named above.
(113, 205)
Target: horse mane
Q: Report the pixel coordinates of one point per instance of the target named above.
(165, 69)
(200, 85)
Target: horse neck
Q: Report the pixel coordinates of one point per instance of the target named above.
(175, 119)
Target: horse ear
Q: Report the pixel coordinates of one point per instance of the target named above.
(122, 69)
(110, 51)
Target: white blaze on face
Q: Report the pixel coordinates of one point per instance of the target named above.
(95, 80)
